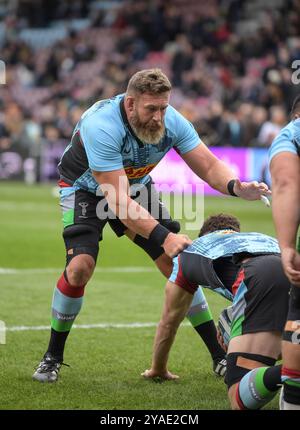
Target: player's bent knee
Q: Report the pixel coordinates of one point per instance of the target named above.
(80, 270)
(232, 397)
(240, 363)
(248, 387)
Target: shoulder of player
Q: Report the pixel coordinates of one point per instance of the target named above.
(174, 120)
(172, 113)
(106, 119)
(285, 133)
(283, 141)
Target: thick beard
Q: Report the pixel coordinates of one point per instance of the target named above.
(145, 133)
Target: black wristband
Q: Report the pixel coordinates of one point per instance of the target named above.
(173, 225)
(159, 234)
(230, 186)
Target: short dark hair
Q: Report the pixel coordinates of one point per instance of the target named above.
(152, 81)
(220, 222)
(296, 105)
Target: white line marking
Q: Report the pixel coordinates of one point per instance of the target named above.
(89, 326)
(130, 269)
(125, 269)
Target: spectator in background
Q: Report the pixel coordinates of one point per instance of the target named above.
(271, 128)
(183, 59)
(5, 140)
(218, 52)
(258, 118)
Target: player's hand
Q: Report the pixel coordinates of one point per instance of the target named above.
(291, 264)
(159, 376)
(175, 243)
(251, 190)
(221, 340)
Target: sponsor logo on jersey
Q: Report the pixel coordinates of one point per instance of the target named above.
(133, 173)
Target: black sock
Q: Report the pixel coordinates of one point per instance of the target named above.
(57, 343)
(208, 333)
(272, 377)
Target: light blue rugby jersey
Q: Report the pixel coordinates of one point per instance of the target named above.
(225, 243)
(110, 145)
(288, 140)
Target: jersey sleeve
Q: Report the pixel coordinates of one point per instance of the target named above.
(186, 136)
(283, 143)
(102, 144)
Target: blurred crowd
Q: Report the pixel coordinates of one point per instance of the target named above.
(230, 62)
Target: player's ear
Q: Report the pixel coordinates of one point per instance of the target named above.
(129, 103)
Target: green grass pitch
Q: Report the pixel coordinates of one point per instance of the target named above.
(105, 362)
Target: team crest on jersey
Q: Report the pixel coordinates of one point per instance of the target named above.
(83, 206)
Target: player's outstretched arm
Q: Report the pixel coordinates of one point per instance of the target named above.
(218, 175)
(176, 305)
(115, 187)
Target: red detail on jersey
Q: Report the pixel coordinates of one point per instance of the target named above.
(133, 173)
(182, 282)
(80, 141)
(62, 184)
(291, 373)
(237, 282)
(67, 289)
